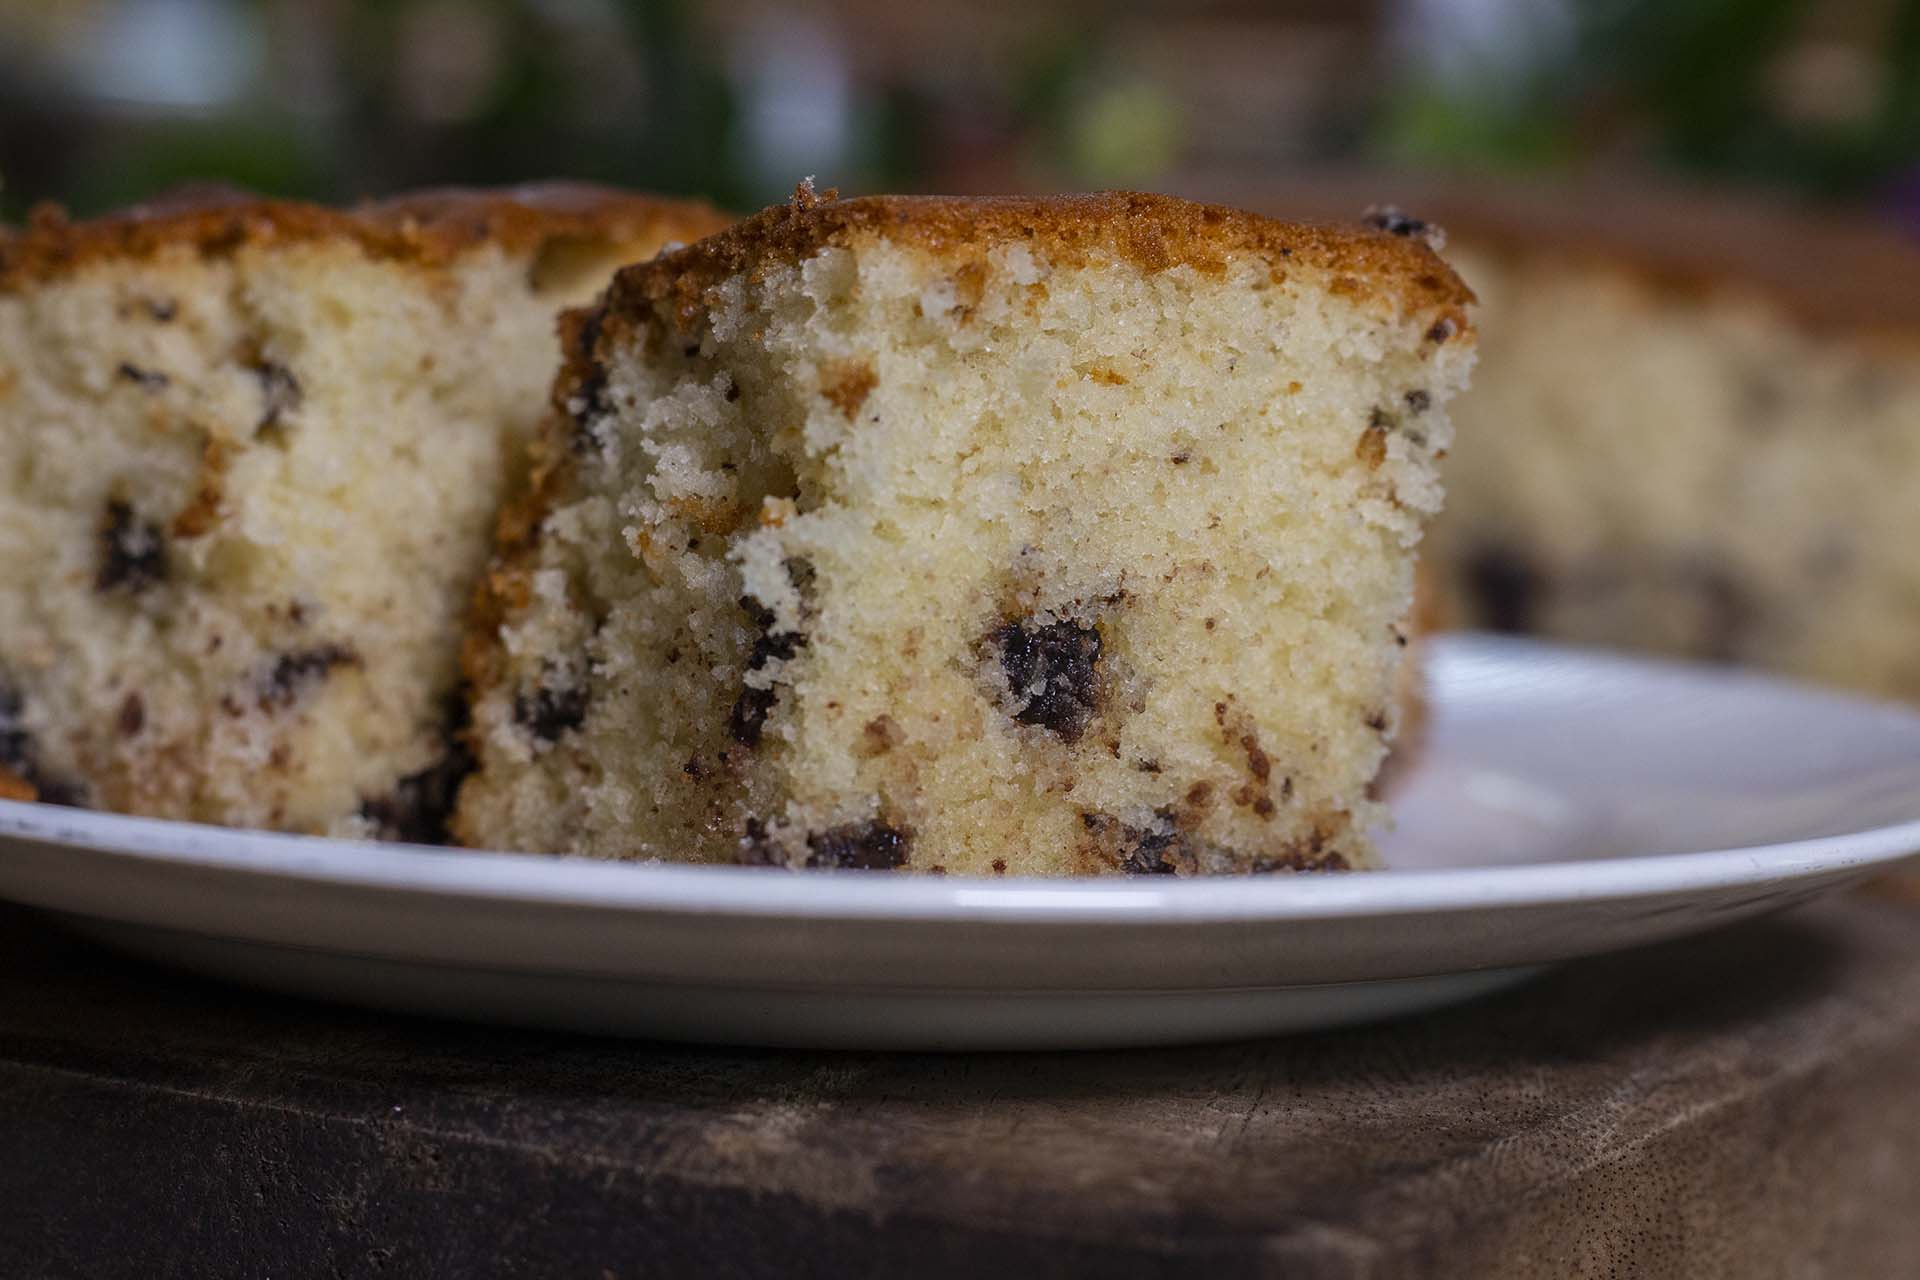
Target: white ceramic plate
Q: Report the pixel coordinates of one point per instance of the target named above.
(1568, 803)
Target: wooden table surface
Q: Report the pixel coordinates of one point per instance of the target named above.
(1746, 1103)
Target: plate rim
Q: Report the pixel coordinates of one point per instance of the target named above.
(579, 882)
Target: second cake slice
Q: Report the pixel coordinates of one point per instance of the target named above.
(253, 451)
(1038, 536)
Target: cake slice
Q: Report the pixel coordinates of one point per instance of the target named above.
(1045, 536)
(1695, 428)
(251, 454)
(1714, 464)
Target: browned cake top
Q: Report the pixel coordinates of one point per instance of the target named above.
(1833, 270)
(1153, 231)
(426, 227)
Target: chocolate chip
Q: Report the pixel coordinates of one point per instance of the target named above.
(1149, 855)
(1419, 401)
(19, 757)
(133, 552)
(1312, 856)
(1137, 851)
(589, 402)
(15, 742)
(757, 848)
(1506, 587)
(145, 379)
(418, 808)
(866, 846)
(292, 674)
(1385, 217)
(749, 715)
(1052, 671)
(280, 393)
(750, 709)
(547, 712)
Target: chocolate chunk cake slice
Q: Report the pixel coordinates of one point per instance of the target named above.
(1047, 536)
(251, 454)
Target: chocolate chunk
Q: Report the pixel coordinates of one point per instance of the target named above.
(133, 552)
(292, 674)
(757, 848)
(16, 744)
(280, 392)
(1148, 856)
(18, 756)
(1507, 588)
(589, 402)
(1384, 217)
(1052, 671)
(866, 846)
(145, 379)
(750, 709)
(749, 715)
(1136, 851)
(547, 712)
(418, 808)
(1312, 857)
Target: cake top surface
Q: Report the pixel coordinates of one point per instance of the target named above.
(1153, 232)
(429, 227)
(1831, 269)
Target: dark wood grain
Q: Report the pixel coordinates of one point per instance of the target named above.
(1740, 1104)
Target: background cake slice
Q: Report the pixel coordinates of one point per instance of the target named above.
(1695, 427)
(1704, 441)
(251, 454)
(1042, 536)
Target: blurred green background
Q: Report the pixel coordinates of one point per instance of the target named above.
(103, 102)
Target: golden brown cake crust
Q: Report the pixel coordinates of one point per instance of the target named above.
(1153, 231)
(1831, 270)
(426, 227)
